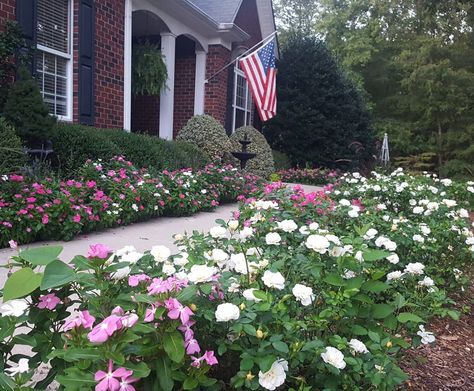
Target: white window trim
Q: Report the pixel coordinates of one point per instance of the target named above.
(248, 108)
(69, 68)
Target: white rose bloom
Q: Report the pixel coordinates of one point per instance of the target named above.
(234, 287)
(275, 376)
(201, 273)
(344, 202)
(333, 357)
(181, 260)
(427, 337)
(432, 206)
(248, 294)
(317, 243)
(14, 308)
(120, 274)
(376, 188)
(446, 182)
(334, 239)
(359, 256)
(245, 233)
(394, 275)
(426, 282)
(412, 202)
(357, 346)
(239, 264)
(160, 253)
(354, 212)
(125, 250)
(414, 268)
(254, 251)
(314, 226)
(287, 225)
(218, 232)
(219, 256)
(304, 294)
(273, 238)
(131, 257)
(418, 210)
(463, 213)
(303, 230)
(470, 189)
(226, 312)
(233, 225)
(348, 274)
(470, 240)
(337, 251)
(370, 234)
(418, 238)
(168, 269)
(382, 207)
(21, 367)
(425, 230)
(393, 258)
(449, 203)
(273, 280)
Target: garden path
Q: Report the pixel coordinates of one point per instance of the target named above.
(142, 235)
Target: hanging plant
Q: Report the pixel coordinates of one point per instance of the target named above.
(149, 72)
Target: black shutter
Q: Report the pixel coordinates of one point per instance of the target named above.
(26, 16)
(86, 61)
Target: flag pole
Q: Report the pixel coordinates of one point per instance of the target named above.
(238, 57)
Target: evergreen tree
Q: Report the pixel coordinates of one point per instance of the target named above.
(321, 118)
(27, 112)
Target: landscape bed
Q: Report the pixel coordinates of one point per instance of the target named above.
(300, 291)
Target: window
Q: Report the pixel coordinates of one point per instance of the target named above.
(54, 59)
(242, 103)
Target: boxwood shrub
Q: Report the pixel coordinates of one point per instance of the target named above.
(73, 144)
(11, 149)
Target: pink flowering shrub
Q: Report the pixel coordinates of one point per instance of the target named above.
(309, 176)
(109, 194)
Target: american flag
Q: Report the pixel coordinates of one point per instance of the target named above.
(260, 71)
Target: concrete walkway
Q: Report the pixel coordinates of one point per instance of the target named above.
(141, 235)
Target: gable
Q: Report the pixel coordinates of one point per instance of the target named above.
(222, 11)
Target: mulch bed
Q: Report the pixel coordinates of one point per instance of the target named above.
(449, 363)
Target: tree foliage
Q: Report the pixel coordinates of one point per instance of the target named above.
(322, 120)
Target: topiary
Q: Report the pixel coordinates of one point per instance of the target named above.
(27, 112)
(13, 155)
(263, 164)
(209, 135)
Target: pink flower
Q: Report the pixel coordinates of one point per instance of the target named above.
(98, 251)
(186, 330)
(90, 184)
(45, 219)
(125, 384)
(137, 278)
(208, 356)
(129, 320)
(150, 314)
(108, 380)
(84, 319)
(192, 346)
(76, 218)
(49, 301)
(13, 244)
(30, 199)
(105, 329)
(177, 310)
(118, 311)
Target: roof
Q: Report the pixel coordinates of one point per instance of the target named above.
(222, 11)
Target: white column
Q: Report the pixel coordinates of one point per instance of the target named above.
(200, 82)
(127, 67)
(168, 48)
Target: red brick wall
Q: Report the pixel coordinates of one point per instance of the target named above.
(216, 89)
(146, 114)
(185, 76)
(7, 12)
(109, 59)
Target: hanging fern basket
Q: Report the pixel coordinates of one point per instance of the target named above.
(148, 69)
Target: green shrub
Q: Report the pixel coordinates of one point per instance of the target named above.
(282, 161)
(74, 144)
(13, 155)
(208, 134)
(27, 112)
(263, 164)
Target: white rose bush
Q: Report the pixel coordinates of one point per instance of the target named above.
(296, 292)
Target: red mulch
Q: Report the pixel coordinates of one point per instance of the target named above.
(448, 364)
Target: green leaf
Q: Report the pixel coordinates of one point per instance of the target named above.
(190, 383)
(334, 279)
(41, 255)
(140, 370)
(374, 255)
(81, 262)
(187, 293)
(250, 330)
(6, 383)
(266, 362)
(21, 283)
(454, 314)
(405, 317)
(358, 330)
(259, 294)
(246, 364)
(375, 286)
(163, 371)
(281, 346)
(380, 311)
(24, 339)
(174, 346)
(56, 274)
(74, 379)
(374, 336)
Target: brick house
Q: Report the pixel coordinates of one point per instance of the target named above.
(83, 60)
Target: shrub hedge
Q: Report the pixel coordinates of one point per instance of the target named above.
(11, 150)
(73, 144)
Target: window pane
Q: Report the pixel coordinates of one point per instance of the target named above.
(53, 24)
